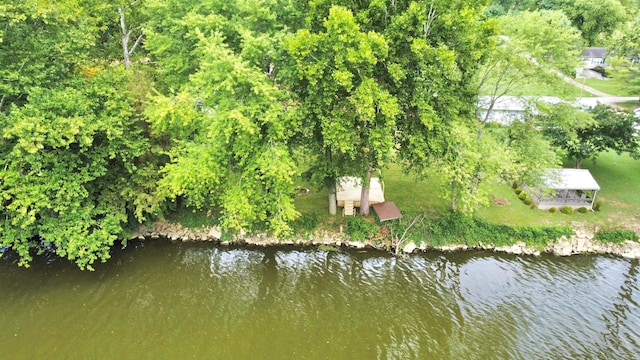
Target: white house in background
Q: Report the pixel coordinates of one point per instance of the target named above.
(506, 109)
(591, 58)
(594, 56)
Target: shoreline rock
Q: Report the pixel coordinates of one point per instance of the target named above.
(582, 242)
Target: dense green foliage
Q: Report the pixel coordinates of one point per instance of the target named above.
(586, 134)
(113, 114)
(73, 169)
(594, 19)
(359, 229)
(615, 236)
(454, 228)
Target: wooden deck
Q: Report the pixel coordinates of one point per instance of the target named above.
(387, 211)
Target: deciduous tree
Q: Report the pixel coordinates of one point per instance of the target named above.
(72, 170)
(584, 135)
(350, 116)
(232, 126)
(532, 47)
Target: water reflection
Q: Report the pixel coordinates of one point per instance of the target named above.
(201, 300)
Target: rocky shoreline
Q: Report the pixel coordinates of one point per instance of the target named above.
(581, 242)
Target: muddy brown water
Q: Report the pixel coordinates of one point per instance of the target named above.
(163, 300)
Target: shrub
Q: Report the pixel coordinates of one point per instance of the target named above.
(600, 70)
(359, 229)
(306, 224)
(522, 196)
(583, 210)
(518, 191)
(566, 210)
(598, 204)
(514, 185)
(552, 209)
(527, 201)
(456, 228)
(615, 236)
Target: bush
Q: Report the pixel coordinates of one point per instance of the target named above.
(518, 191)
(359, 229)
(514, 185)
(598, 204)
(583, 210)
(566, 210)
(615, 236)
(306, 224)
(456, 228)
(600, 70)
(522, 196)
(552, 209)
(527, 201)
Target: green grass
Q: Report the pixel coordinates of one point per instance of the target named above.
(617, 176)
(413, 195)
(613, 87)
(192, 218)
(629, 105)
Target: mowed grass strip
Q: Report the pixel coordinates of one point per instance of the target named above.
(612, 87)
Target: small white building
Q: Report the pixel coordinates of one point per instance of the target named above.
(565, 187)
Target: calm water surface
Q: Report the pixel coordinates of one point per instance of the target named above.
(159, 300)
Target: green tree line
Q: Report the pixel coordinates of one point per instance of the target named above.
(112, 114)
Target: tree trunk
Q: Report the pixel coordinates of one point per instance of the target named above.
(333, 207)
(578, 163)
(126, 36)
(454, 201)
(364, 195)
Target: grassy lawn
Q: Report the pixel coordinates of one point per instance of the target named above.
(613, 87)
(617, 176)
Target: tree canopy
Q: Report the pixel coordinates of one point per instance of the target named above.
(584, 135)
(115, 113)
(70, 174)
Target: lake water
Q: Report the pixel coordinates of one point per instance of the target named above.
(162, 300)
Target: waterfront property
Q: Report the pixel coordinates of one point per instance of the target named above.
(566, 187)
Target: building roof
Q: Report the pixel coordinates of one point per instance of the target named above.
(514, 103)
(520, 103)
(350, 188)
(570, 179)
(594, 52)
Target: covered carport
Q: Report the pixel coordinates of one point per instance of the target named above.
(566, 187)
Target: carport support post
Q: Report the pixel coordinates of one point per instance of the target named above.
(593, 199)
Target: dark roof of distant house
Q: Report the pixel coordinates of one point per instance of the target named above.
(594, 52)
